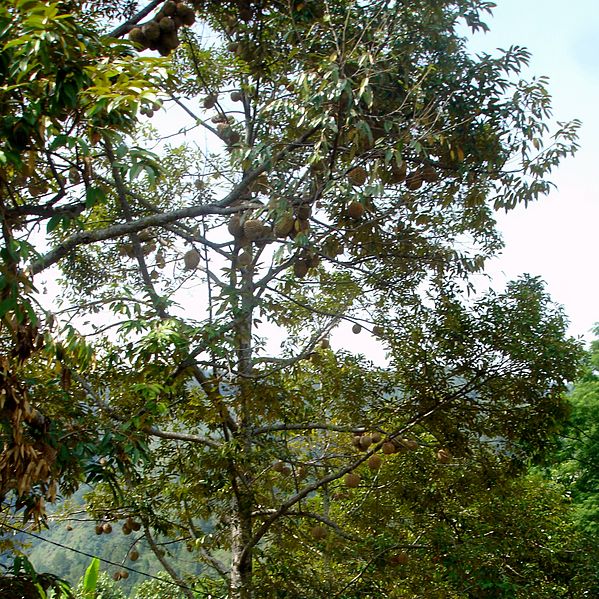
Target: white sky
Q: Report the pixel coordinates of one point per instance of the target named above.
(557, 238)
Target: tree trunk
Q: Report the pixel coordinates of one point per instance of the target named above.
(242, 501)
(241, 562)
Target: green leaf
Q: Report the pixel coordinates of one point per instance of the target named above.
(90, 580)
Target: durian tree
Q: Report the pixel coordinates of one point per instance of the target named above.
(352, 158)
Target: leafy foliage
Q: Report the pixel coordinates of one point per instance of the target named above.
(350, 179)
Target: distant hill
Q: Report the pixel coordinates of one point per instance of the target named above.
(79, 534)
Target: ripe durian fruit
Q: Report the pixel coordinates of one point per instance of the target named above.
(151, 31)
(210, 101)
(389, 448)
(429, 173)
(136, 35)
(74, 176)
(253, 229)
(399, 559)
(355, 210)
(169, 8)
(167, 25)
(234, 226)
(284, 225)
(352, 480)
(398, 173)
(191, 259)
(304, 211)
(278, 466)
(356, 328)
(444, 456)
(365, 442)
(236, 96)
(357, 176)
(134, 555)
(375, 461)
(106, 528)
(186, 14)
(300, 269)
(376, 437)
(414, 181)
(244, 259)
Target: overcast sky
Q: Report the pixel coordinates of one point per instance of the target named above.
(557, 238)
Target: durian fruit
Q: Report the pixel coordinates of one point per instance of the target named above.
(106, 528)
(186, 14)
(126, 529)
(304, 211)
(236, 96)
(414, 181)
(134, 555)
(378, 330)
(409, 444)
(398, 173)
(210, 101)
(318, 533)
(169, 8)
(151, 31)
(234, 226)
(116, 576)
(99, 529)
(429, 173)
(300, 269)
(253, 229)
(355, 210)
(376, 437)
(444, 456)
(167, 25)
(302, 226)
(356, 328)
(357, 176)
(137, 36)
(325, 344)
(284, 225)
(160, 260)
(191, 259)
(313, 261)
(352, 480)
(399, 559)
(356, 441)
(167, 43)
(74, 176)
(244, 259)
(245, 13)
(389, 448)
(278, 466)
(375, 461)
(136, 526)
(124, 574)
(365, 442)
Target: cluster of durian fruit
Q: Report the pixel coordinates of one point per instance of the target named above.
(161, 33)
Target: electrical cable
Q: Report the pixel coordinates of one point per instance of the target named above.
(106, 561)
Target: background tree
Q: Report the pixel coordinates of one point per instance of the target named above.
(350, 179)
(577, 458)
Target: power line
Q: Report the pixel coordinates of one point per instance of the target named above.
(106, 561)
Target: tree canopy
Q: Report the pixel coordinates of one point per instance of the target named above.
(334, 165)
